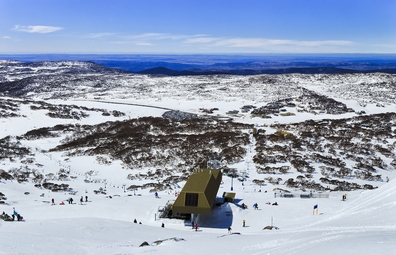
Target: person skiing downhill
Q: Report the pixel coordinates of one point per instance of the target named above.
(196, 226)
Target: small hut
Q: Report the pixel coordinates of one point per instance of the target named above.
(199, 193)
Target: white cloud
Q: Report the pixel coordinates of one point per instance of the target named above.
(262, 42)
(143, 43)
(201, 40)
(162, 36)
(6, 37)
(97, 35)
(204, 41)
(385, 45)
(37, 29)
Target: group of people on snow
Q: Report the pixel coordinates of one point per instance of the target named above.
(7, 217)
(194, 225)
(70, 200)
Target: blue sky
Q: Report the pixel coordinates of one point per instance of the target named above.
(197, 27)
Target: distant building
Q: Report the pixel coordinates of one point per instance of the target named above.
(233, 112)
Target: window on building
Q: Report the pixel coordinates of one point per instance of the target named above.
(191, 199)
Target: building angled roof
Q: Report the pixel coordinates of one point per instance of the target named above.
(199, 193)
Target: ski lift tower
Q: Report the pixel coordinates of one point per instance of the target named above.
(213, 161)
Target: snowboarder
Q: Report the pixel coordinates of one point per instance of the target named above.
(86, 198)
(243, 223)
(229, 230)
(196, 226)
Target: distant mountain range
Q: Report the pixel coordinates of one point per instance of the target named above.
(227, 63)
(315, 70)
(232, 67)
(168, 66)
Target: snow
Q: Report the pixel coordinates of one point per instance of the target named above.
(363, 224)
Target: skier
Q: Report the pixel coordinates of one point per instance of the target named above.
(71, 200)
(229, 230)
(53, 201)
(243, 223)
(86, 198)
(134, 221)
(156, 194)
(81, 199)
(196, 226)
(192, 224)
(163, 225)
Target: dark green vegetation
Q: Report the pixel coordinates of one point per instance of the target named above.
(160, 142)
(342, 149)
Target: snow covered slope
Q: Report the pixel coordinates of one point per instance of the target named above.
(71, 129)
